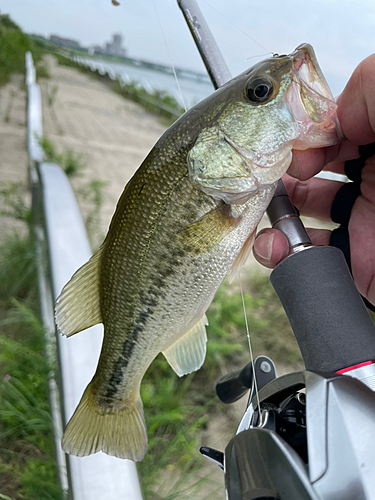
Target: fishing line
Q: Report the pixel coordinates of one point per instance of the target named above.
(169, 55)
(259, 55)
(235, 25)
(250, 348)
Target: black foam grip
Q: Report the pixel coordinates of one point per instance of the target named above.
(330, 321)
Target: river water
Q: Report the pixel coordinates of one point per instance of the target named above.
(193, 90)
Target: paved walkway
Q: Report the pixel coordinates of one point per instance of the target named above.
(13, 151)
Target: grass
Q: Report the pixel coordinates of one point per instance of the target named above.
(14, 44)
(178, 410)
(42, 70)
(72, 163)
(158, 102)
(27, 466)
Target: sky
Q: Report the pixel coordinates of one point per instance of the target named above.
(342, 32)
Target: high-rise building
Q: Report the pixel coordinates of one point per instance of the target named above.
(115, 47)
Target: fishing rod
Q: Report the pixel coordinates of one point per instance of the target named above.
(314, 444)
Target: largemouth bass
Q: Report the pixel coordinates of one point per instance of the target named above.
(185, 219)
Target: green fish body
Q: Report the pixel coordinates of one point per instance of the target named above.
(186, 218)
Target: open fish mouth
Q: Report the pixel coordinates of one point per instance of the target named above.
(308, 70)
(311, 102)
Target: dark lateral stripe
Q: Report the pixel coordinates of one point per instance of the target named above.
(149, 300)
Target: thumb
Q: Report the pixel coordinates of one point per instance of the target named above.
(270, 247)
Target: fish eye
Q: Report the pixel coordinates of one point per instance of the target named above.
(259, 90)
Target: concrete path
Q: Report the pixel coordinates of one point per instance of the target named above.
(13, 148)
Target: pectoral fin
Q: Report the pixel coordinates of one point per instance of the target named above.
(242, 257)
(210, 230)
(188, 353)
(78, 305)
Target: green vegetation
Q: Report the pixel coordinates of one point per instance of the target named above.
(66, 61)
(42, 70)
(158, 102)
(177, 410)
(14, 44)
(27, 466)
(72, 163)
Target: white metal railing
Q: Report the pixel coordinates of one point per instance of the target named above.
(61, 236)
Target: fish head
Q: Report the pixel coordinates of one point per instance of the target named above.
(280, 104)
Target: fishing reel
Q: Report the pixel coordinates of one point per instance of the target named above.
(303, 436)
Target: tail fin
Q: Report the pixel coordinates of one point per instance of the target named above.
(120, 432)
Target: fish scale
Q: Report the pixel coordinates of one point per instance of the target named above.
(185, 219)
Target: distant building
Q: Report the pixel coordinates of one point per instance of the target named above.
(64, 42)
(113, 48)
(97, 48)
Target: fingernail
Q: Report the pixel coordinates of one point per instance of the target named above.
(263, 244)
(293, 169)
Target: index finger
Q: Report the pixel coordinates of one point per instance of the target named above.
(306, 164)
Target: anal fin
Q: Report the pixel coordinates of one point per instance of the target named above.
(187, 354)
(78, 305)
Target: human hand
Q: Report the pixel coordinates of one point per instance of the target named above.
(314, 197)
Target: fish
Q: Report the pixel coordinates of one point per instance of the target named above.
(185, 220)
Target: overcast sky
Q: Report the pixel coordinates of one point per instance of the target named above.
(341, 31)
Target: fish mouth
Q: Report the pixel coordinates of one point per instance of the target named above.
(311, 102)
(307, 68)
